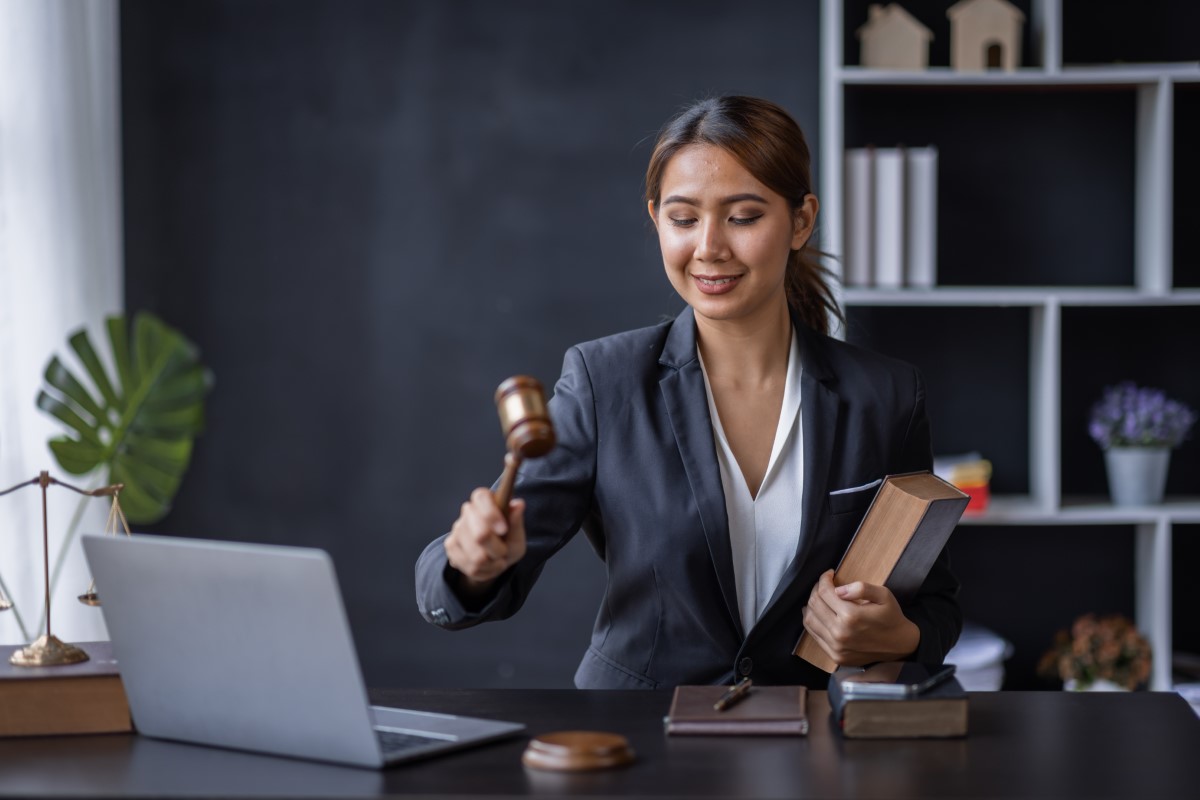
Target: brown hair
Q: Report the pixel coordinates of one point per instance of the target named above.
(770, 145)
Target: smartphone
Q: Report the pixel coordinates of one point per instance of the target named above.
(894, 679)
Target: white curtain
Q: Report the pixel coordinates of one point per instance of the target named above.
(60, 268)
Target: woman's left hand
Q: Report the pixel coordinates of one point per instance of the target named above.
(859, 623)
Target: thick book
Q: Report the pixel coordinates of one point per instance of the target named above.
(899, 538)
(74, 698)
(938, 713)
(764, 711)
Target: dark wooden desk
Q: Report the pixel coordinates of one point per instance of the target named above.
(1022, 744)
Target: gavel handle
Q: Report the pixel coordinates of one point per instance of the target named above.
(503, 492)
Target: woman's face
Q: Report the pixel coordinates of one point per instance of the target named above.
(725, 237)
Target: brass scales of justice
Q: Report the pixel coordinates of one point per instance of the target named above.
(49, 650)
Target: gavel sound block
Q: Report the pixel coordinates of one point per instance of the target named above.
(528, 433)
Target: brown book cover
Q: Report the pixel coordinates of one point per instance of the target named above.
(74, 698)
(899, 538)
(938, 713)
(765, 710)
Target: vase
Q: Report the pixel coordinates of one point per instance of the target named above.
(1137, 476)
(1098, 685)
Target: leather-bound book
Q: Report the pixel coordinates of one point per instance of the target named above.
(938, 713)
(87, 697)
(765, 710)
(899, 538)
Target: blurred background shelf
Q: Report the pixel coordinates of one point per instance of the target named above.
(1081, 510)
(1067, 261)
(1018, 296)
(1033, 77)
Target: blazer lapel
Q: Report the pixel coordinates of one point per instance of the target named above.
(683, 391)
(819, 407)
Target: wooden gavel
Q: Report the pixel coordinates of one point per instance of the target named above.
(528, 433)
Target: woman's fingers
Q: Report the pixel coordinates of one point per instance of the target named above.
(484, 503)
(483, 543)
(515, 538)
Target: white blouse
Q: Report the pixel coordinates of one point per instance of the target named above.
(764, 530)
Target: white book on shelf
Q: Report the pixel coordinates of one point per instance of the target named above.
(921, 254)
(888, 213)
(857, 216)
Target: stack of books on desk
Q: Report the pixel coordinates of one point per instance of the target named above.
(940, 712)
(74, 698)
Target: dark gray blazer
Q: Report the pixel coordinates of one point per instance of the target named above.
(636, 469)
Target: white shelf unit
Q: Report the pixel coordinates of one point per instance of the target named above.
(1152, 287)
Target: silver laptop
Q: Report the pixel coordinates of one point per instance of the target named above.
(248, 647)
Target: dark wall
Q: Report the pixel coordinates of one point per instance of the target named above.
(367, 214)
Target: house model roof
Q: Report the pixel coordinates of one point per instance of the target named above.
(984, 6)
(891, 17)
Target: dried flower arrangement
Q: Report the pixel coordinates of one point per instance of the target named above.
(1105, 648)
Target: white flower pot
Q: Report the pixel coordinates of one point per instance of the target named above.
(1137, 476)
(1098, 685)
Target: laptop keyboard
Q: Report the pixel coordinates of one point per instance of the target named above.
(392, 743)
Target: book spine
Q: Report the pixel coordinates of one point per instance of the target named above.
(791, 727)
(889, 218)
(858, 216)
(924, 546)
(52, 706)
(921, 257)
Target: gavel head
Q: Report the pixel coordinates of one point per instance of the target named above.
(523, 417)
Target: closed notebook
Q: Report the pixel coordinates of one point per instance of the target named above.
(766, 710)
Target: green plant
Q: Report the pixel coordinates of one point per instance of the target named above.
(143, 422)
(139, 424)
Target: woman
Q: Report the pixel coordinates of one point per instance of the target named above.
(721, 462)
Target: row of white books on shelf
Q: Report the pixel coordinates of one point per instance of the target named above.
(891, 217)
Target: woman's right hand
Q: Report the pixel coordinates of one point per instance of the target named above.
(482, 544)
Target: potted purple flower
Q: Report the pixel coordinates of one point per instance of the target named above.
(1137, 427)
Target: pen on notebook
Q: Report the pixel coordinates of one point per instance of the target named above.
(735, 693)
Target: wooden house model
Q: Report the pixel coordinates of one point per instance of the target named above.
(985, 34)
(893, 39)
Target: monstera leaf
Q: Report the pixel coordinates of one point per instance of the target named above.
(143, 421)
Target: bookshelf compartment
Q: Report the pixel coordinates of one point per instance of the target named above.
(931, 14)
(1119, 32)
(1104, 346)
(1068, 260)
(973, 362)
(1186, 623)
(1015, 209)
(1186, 198)
(1081, 569)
